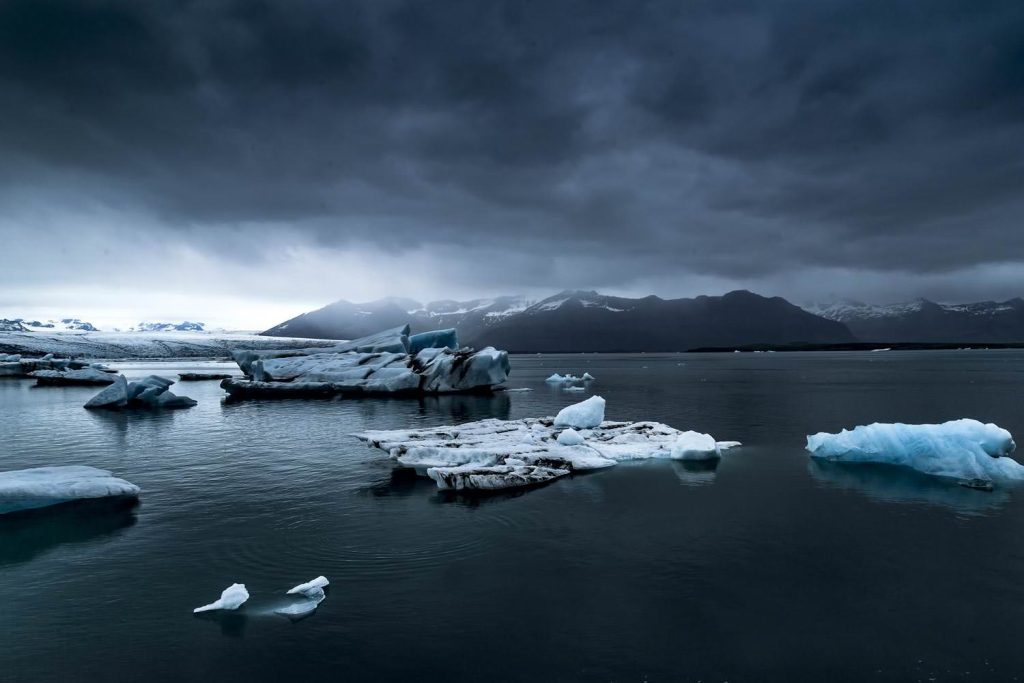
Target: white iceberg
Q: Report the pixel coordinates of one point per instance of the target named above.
(967, 450)
(313, 594)
(44, 486)
(498, 454)
(149, 392)
(232, 598)
(589, 413)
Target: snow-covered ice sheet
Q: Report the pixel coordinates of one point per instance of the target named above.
(495, 454)
(966, 450)
(44, 486)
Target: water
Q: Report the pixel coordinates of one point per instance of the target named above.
(765, 568)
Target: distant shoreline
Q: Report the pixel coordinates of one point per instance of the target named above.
(861, 346)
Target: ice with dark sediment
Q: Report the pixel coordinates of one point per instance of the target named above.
(499, 454)
(389, 362)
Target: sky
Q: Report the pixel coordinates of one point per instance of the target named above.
(242, 161)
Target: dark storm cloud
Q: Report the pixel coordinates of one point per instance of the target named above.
(730, 139)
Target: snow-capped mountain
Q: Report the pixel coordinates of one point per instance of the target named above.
(62, 325)
(184, 326)
(922, 320)
(581, 321)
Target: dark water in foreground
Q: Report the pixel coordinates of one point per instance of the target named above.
(767, 568)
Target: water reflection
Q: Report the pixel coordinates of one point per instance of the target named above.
(232, 622)
(695, 472)
(25, 535)
(893, 484)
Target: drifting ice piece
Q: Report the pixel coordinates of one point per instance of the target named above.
(44, 486)
(394, 340)
(150, 392)
(589, 413)
(305, 608)
(317, 584)
(496, 454)
(966, 450)
(232, 598)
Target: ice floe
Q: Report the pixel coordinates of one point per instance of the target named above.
(87, 376)
(389, 362)
(150, 392)
(499, 454)
(44, 486)
(233, 597)
(972, 453)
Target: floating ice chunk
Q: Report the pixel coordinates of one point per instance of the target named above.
(966, 450)
(574, 389)
(317, 584)
(150, 392)
(589, 413)
(570, 437)
(877, 350)
(44, 486)
(490, 454)
(564, 379)
(232, 598)
(394, 340)
(695, 446)
(587, 377)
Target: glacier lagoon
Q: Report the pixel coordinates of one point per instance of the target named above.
(765, 564)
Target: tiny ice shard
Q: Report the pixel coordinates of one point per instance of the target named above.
(584, 415)
(317, 584)
(232, 598)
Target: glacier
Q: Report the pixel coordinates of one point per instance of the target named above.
(149, 392)
(233, 597)
(968, 451)
(44, 486)
(497, 454)
(388, 362)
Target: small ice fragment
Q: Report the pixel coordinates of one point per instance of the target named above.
(232, 598)
(692, 445)
(317, 584)
(587, 377)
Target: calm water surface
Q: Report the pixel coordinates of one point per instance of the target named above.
(765, 568)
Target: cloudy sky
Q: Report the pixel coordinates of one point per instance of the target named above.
(241, 161)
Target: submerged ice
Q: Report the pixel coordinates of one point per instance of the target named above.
(966, 450)
(499, 454)
(44, 486)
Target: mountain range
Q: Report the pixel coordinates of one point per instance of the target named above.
(582, 321)
(926, 321)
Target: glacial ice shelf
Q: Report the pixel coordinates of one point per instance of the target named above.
(388, 362)
(39, 487)
(968, 451)
(502, 454)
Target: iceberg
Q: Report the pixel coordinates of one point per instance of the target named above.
(968, 451)
(87, 376)
(589, 413)
(317, 584)
(496, 454)
(44, 486)
(313, 594)
(232, 598)
(150, 392)
(389, 362)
